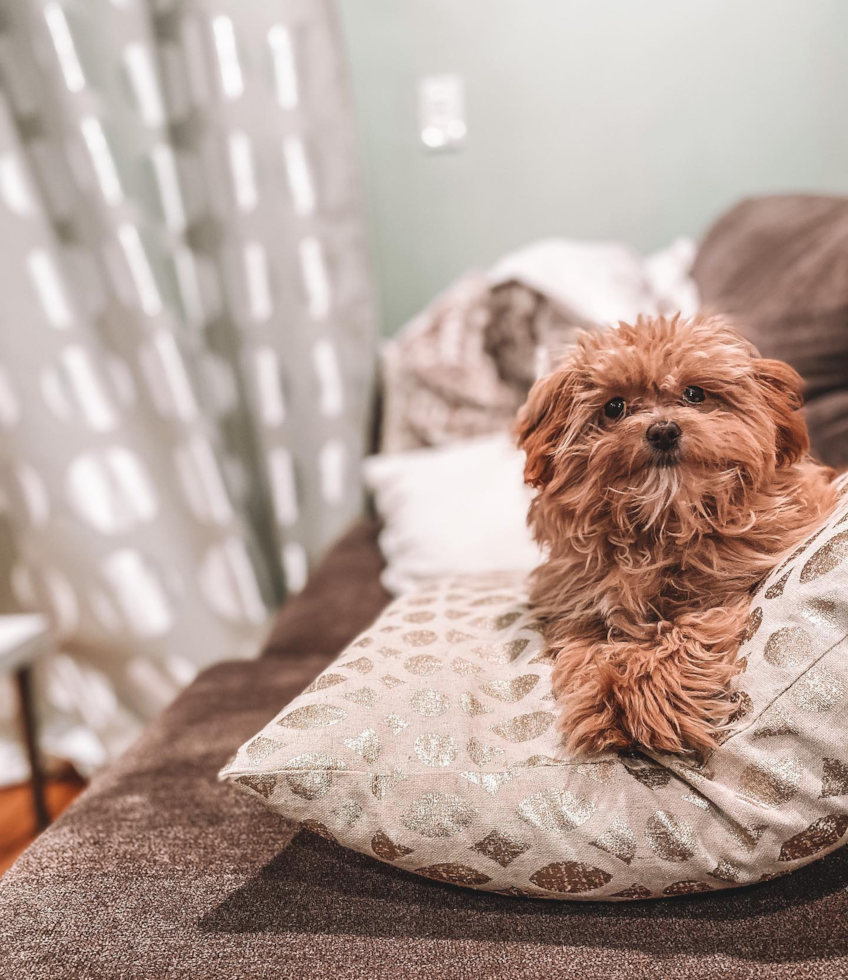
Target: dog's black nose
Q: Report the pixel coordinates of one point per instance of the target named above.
(663, 434)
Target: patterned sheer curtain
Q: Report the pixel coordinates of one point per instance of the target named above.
(186, 345)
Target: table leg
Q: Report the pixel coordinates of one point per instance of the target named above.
(24, 682)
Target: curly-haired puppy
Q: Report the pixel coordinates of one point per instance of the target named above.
(672, 469)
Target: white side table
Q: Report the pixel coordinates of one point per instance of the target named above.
(23, 638)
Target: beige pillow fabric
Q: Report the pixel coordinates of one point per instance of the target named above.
(431, 744)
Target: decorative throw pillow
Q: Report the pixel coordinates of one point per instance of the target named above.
(438, 507)
(431, 744)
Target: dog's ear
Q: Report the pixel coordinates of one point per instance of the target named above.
(541, 424)
(783, 390)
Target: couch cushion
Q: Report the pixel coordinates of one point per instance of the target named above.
(431, 744)
(348, 580)
(779, 267)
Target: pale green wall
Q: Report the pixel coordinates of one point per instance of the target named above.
(629, 119)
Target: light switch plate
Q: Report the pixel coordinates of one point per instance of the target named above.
(441, 111)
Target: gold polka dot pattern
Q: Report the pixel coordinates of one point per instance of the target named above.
(313, 716)
(311, 775)
(670, 837)
(386, 849)
(430, 703)
(455, 874)
(821, 835)
(438, 815)
(788, 647)
(438, 751)
(435, 750)
(423, 665)
(501, 848)
(555, 809)
(566, 877)
(619, 840)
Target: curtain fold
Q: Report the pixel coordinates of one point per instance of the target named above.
(186, 350)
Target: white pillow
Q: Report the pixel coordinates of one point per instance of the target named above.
(454, 509)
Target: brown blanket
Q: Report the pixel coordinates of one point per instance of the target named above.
(160, 872)
(779, 265)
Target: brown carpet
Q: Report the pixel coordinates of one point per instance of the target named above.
(159, 872)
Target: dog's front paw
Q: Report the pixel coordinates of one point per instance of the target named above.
(591, 734)
(662, 696)
(590, 719)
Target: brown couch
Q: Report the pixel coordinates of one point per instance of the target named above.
(160, 872)
(779, 265)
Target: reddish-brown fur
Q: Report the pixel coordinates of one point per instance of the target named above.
(651, 566)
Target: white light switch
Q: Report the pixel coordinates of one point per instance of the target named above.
(441, 111)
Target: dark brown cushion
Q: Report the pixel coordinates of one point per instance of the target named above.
(347, 582)
(779, 267)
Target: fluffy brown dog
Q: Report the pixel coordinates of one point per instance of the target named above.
(672, 469)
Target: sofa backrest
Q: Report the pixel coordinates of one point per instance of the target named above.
(779, 267)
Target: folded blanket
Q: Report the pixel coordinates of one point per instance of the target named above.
(464, 366)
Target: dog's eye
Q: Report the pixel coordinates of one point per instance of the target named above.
(615, 408)
(694, 394)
